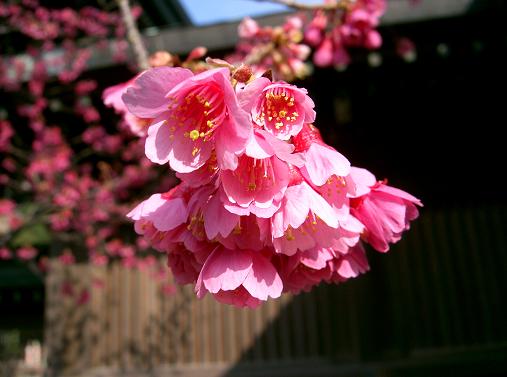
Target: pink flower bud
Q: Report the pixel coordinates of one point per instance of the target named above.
(248, 28)
(373, 39)
(324, 55)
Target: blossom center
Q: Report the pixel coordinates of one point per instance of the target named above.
(196, 113)
(255, 174)
(277, 110)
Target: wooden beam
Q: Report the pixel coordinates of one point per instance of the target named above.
(224, 36)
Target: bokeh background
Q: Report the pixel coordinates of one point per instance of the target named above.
(433, 306)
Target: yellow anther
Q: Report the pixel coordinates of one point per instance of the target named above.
(289, 236)
(207, 104)
(282, 113)
(194, 135)
(278, 125)
(195, 151)
(209, 123)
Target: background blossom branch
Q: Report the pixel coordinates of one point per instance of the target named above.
(134, 35)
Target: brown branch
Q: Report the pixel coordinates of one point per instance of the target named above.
(133, 35)
(333, 5)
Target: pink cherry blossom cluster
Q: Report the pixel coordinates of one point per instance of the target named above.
(334, 28)
(42, 23)
(46, 28)
(277, 48)
(332, 33)
(264, 206)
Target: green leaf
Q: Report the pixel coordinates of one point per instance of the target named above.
(36, 235)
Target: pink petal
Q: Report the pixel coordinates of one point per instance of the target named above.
(112, 96)
(398, 193)
(258, 147)
(225, 269)
(321, 207)
(316, 258)
(158, 143)
(322, 162)
(229, 144)
(249, 95)
(169, 215)
(238, 297)
(263, 279)
(217, 220)
(283, 150)
(296, 207)
(363, 181)
(146, 207)
(146, 98)
(181, 157)
(354, 263)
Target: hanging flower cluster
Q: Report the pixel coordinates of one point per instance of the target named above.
(277, 48)
(333, 32)
(334, 28)
(264, 206)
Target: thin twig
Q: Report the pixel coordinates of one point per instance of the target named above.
(133, 35)
(259, 53)
(333, 5)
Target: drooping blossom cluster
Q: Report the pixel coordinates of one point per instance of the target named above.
(279, 48)
(264, 205)
(335, 28)
(68, 176)
(333, 33)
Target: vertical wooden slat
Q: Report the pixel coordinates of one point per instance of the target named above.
(419, 288)
(479, 275)
(270, 310)
(454, 319)
(206, 330)
(462, 257)
(284, 321)
(255, 331)
(125, 310)
(194, 331)
(433, 335)
(245, 330)
(298, 327)
(310, 319)
(143, 319)
(488, 263)
(231, 328)
(401, 324)
(496, 221)
(324, 324)
(98, 322)
(220, 340)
